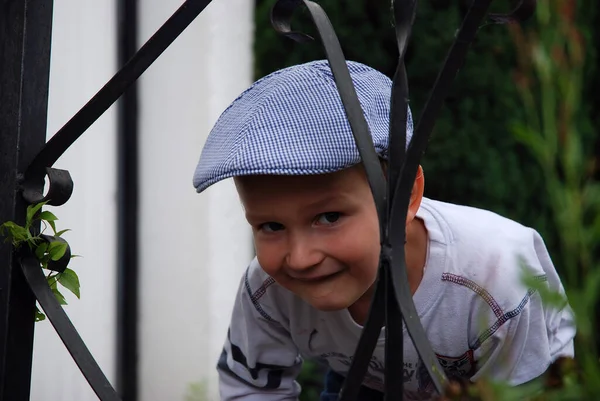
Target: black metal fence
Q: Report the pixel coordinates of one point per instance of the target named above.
(25, 161)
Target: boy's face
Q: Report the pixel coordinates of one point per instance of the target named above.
(317, 235)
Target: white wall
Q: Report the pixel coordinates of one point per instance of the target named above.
(83, 59)
(194, 247)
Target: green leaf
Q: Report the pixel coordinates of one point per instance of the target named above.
(551, 298)
(9, 227)
(48, 216)
(52, 281)
(61, 232)
(39, 316)
(31, 211)
(70, 281)
(40, 250)
(14, 232)
(57, 250)
(59, 297)
(53, 226)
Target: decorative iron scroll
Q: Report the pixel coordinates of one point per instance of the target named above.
(101, 101)
(392, 301)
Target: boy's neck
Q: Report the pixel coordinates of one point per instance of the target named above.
(416, 255)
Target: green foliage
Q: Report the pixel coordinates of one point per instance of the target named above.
(557, 131)
(44, 251)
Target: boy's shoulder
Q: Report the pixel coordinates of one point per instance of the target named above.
(476, 232)
(465, 220)
(487, 253)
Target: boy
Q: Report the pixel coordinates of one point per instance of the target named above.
(288, 145)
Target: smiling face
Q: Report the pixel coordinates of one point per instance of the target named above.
(316, 235)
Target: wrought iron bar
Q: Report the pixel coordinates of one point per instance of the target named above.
(65, 329)
(392, 289)
(456, 57)
(25, 34)
(109, 94)
(61, 187)
(280, 16)
(127, 214)
(394, 343)
(404, 13)
(454, 61)
(400, 198)
(402, 188)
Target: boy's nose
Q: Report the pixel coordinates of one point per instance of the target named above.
(303, 254)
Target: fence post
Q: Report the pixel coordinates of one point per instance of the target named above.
(25, 36)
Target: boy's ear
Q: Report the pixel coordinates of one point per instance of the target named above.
(416, 196)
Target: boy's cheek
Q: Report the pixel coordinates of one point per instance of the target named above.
(358, 245)
(269, 259)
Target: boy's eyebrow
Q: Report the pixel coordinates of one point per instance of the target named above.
(317, 204)
(331, 198)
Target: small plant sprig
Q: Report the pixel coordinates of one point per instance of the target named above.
(44, 251)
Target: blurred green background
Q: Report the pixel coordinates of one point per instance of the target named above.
(473, 157)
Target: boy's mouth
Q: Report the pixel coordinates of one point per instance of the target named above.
(315, 279)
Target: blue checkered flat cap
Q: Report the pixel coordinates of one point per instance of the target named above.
(292, 122)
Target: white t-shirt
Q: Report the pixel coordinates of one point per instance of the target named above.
(478, 316)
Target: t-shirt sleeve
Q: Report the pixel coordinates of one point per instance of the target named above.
(560, 321)
(532, 335)
(259, 360)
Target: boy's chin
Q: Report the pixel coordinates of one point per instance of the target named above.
(328, 304)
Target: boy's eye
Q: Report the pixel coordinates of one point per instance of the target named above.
(271, 227)
(329, 217)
